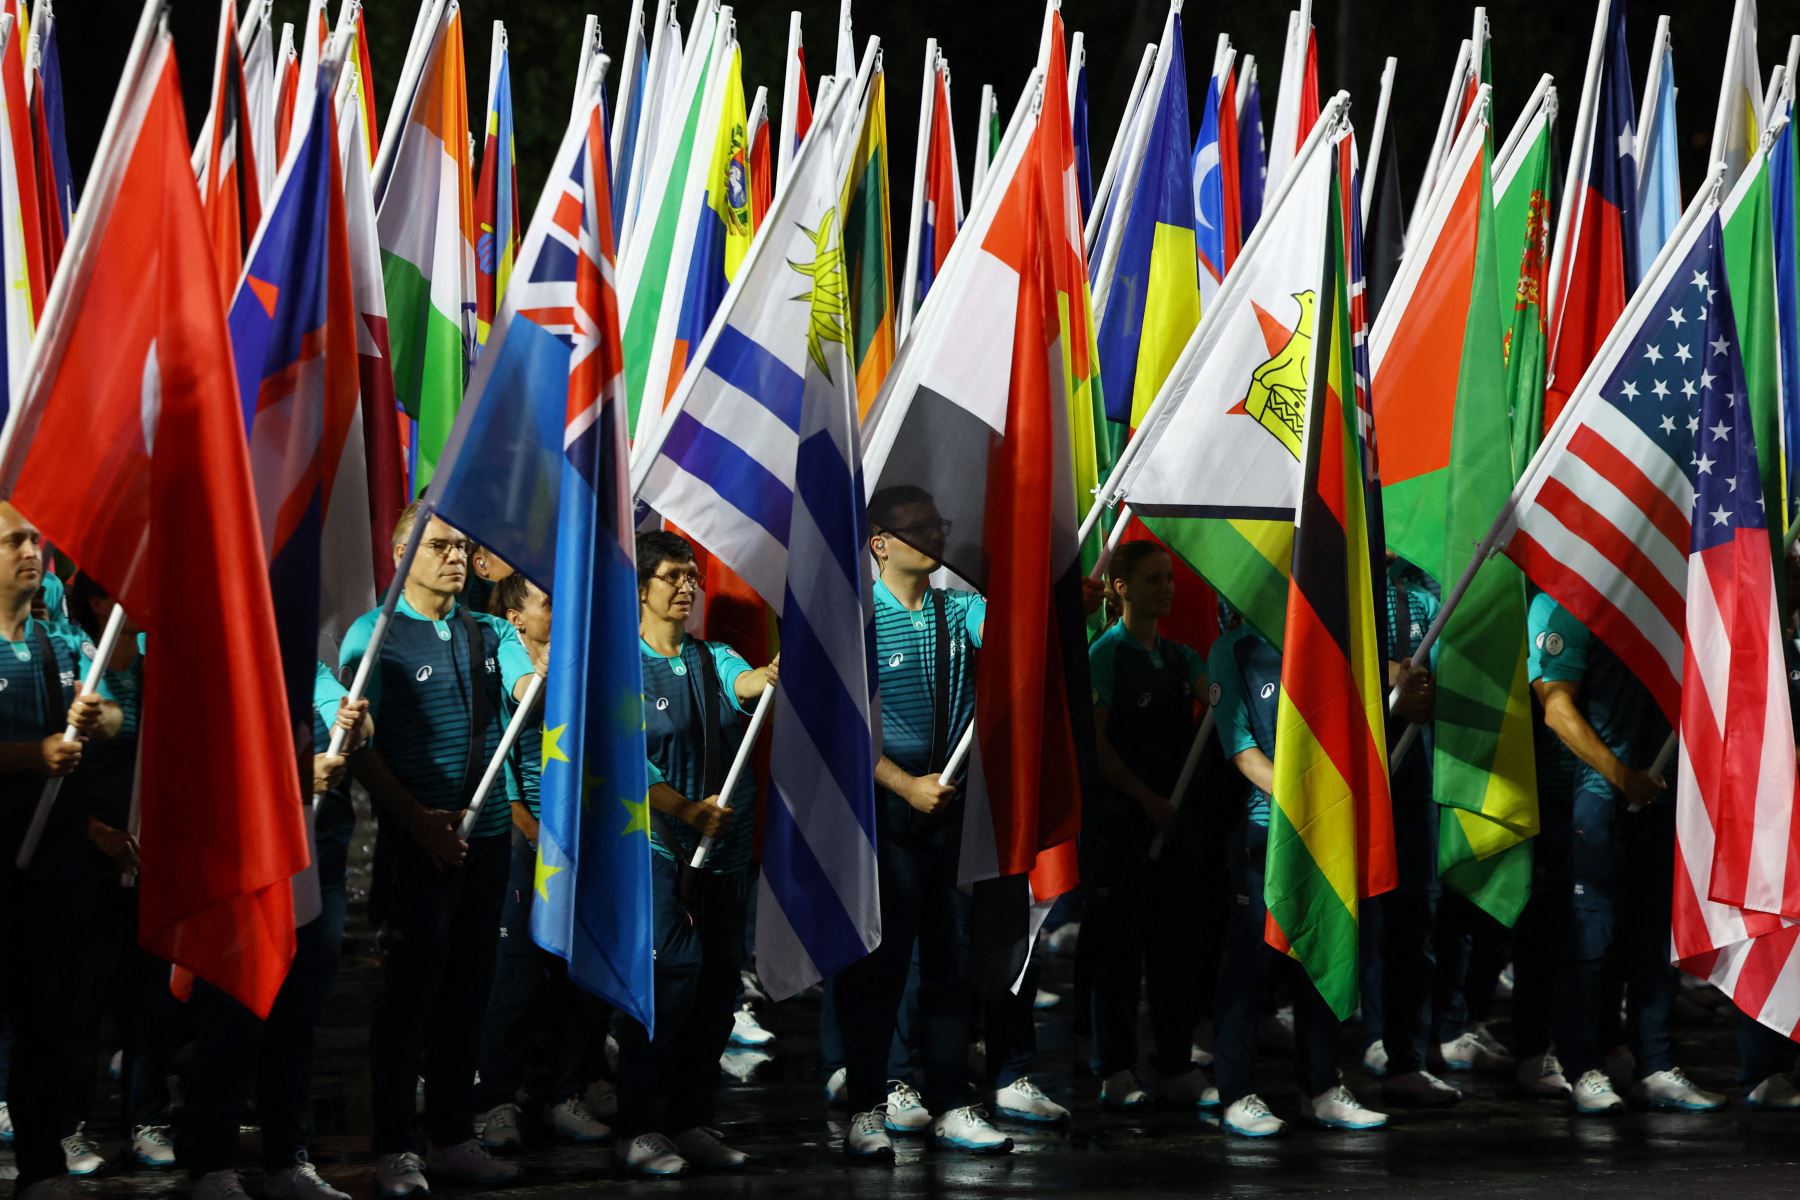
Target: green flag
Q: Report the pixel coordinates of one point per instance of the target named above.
(1522, 190)
(1440, 395)
(1750, 269)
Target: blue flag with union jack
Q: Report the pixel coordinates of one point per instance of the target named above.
(538, 463)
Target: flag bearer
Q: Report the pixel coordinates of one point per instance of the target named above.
(924, 639)
(44, 918)
(1139, 912)
(1399, 962)
(437, 694)
(696, 695)
(233, 1050)
(532, 992)
(1612, 843)
(1244, 674)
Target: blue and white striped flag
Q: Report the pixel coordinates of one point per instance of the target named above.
(758, 458)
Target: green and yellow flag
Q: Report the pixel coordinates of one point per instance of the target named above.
(868, 234)
(1441, 408)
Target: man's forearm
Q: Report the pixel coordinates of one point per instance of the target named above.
(889, 774)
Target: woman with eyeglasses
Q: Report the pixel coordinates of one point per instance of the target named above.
(696, 695)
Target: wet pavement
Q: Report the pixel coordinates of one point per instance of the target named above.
(1495, 1144)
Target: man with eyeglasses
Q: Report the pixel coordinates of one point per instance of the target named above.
(437, 697)
(924, 638)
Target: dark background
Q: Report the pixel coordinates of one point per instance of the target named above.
(994, 41)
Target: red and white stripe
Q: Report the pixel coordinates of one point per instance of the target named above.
(1737, 861)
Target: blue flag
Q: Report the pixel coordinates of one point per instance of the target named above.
(537, 469)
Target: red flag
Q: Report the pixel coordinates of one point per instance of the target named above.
(285, 99)
(228, 187)
(127, 449)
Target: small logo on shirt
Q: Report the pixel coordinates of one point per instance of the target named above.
(1144, 700)
(490, 666)
(68, 679)
(424, 673)
(87, 649)
(662, 704)
(1268, 689)
(2, 685)
(1214, 694)
(896, 660)
(1417, 633)
(1550, 643)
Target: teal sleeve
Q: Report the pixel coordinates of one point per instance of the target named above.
(515, 660)
(653, 777)
(1429, 607)
(1231, 712)
(327, 692)
(731, 665)
(1100, 670)
(1559, 643)
(974, 617)
(350, 656)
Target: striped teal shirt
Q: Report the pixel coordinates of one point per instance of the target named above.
(906, 657)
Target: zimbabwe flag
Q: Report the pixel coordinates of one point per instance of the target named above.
(1331, 827)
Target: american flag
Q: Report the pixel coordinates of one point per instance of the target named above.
(1602, 519)
(1644, 518)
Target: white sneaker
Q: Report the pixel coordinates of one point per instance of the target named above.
(115, 1066)
(1023, 1100)
(603, 1099)
(746, 1030)
(612, 1054)
(1189, 1088)
(1774, 1094)
(1673, 1091)
(836, 1085)
(1250, 1117)
(573, 1119)
(741, 1064)
(499, 1127)
(1122, 1090)
(703, 1148)
(468, 1164)
(967, 1128)
(219, 1185)
(1045, 1000)
(1061, 940)
(1470, 1053)
(401, 1175)
(868, 1136)
(1201, 1056)
(1594, 1096)
(650, 1154)
(1541, 1075)
(152, 1146)
(1421, 1089)
(1340, 1109)
(80, 1155)
(1375, 1059)
(300, 1182)
(906, 1111)
(6, 1129)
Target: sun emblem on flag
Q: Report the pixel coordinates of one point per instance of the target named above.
(1276, 398)
(737, 186)
(829, 295)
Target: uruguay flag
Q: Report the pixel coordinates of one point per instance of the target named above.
(294, 341)
(759, 459)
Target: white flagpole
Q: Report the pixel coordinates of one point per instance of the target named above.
(514, 728)
(1378, 134)
(793, 80)
(47, 798)
(984, 124)
(758, 719)
(1108, 177)
(1440, 144)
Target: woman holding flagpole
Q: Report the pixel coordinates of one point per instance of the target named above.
(696, 697)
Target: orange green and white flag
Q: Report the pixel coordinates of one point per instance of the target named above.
(426, 222)
(1441, 406)
(1331, 826)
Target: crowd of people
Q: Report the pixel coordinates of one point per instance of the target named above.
(1171, 908)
